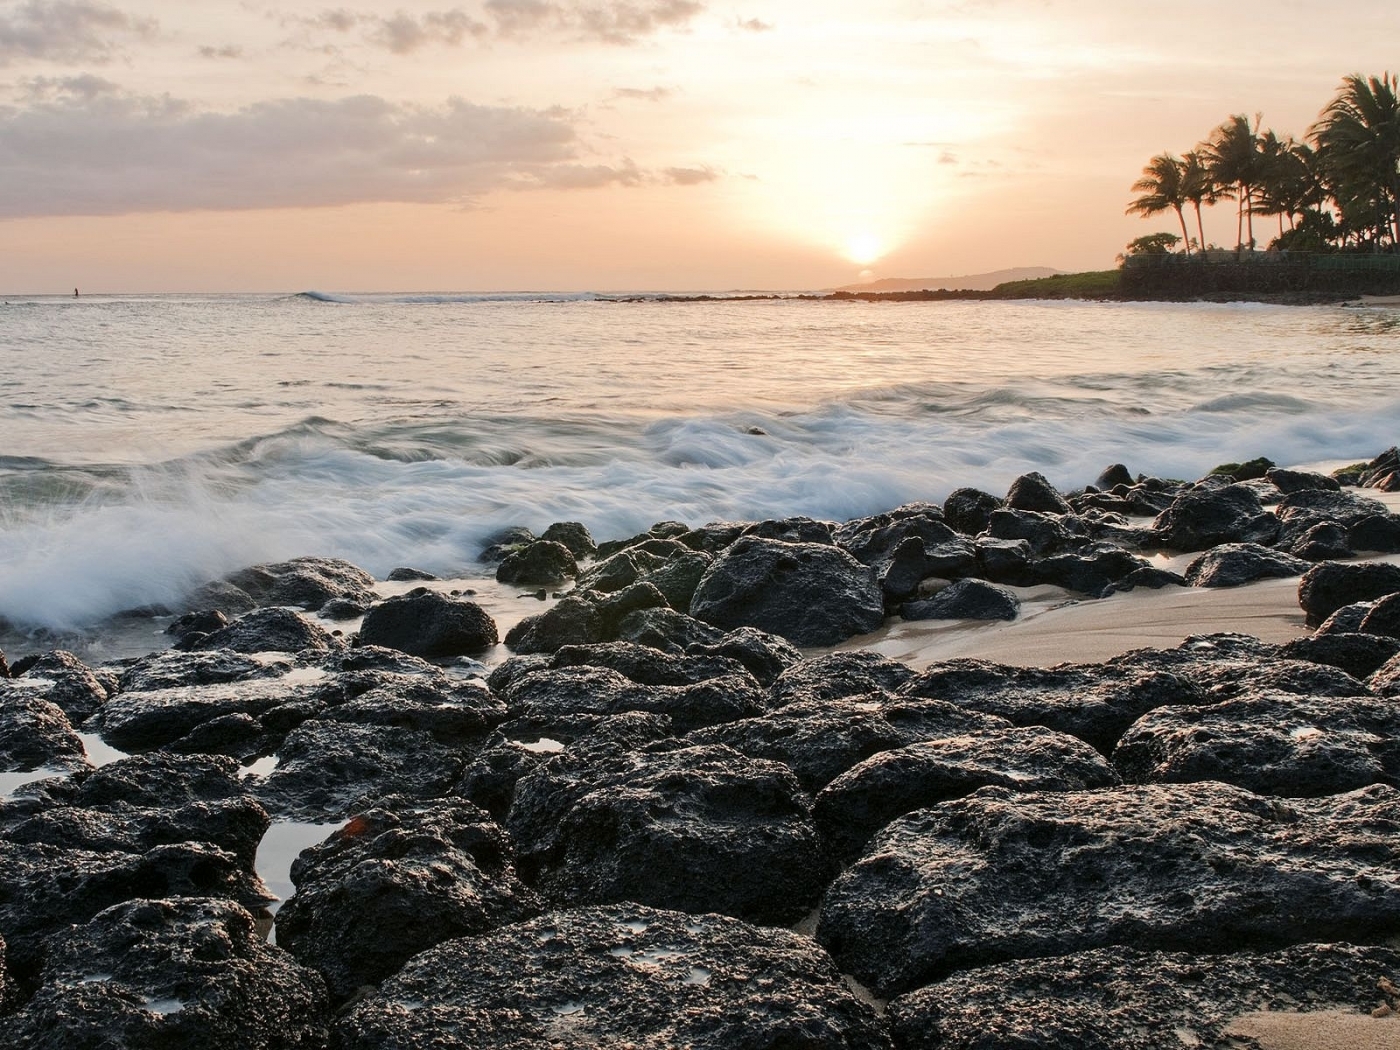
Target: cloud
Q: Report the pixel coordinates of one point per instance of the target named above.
(755, 25)
(67, 31)
(690, 176)
(80, 146)
(106, 154)
(403, 34)
(655, 94)
(226, 51)
(613, 22)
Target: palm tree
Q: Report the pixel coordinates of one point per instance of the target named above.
(1163, 189)
(1359, 136)
(1233, 156)
(1285, 181)
(1199, 187)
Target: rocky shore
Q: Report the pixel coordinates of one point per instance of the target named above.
(682, 805)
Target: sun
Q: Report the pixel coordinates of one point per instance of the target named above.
(864, 248)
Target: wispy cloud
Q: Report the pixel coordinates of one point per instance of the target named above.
(755, 25)
(67, 31)
(654, 94)
(403, 34)
(224, 51)
(81, 146)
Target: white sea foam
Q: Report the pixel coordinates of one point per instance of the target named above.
(410, 429)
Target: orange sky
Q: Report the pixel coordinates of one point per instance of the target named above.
(230, 145)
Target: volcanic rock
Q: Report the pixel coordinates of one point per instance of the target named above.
(965, 600)
(1203, 517)
(1327, 587)
(426, 623)
(1233, 564)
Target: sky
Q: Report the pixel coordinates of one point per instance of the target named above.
(455, 145)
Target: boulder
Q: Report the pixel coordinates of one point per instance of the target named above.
(1033, 491)
(218, 596)
(867, 796)
(1379, 533)
(396, 880)
(1359, 655)
(1046, 533)
(544, 562)
(35, 734)
(821, 739)
(1315, 506)
(173, 668)
(1290, 481)
(810, 594)
(1327, 587)
(1006, 561)
(1112, 476)
(1384, 617)
(307, 583)
(666, 629)
(797, 529)
(872, 540)
(544, 697)
(1233, 564)
(644, 665)
(1093, 702)
(1272, 744)
(64, 681)
(1203, 517)
(835, 675)
(177, 972)
(574, 535)
(699, 829)
(407, 574)
(272, 630)
(965, 600)
(969, 510)
(619, 976)
(1223, 666)
(625, 567)
(1386, 680)
(1000, 875)
(426, 623)
(763, 655)
(1125, 999)
(573, 621)
(1346, 620)
(1325, 541)
(678, 578)
(1094, 569)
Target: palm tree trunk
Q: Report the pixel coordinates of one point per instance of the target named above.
(1200, 230)
(1185, 237)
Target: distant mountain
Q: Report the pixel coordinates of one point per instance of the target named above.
(975, 282)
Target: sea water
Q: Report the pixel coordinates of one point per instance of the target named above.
(152, 443)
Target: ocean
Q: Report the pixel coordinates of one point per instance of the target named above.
(151, 443)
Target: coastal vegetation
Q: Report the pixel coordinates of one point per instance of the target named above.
(1336, 190)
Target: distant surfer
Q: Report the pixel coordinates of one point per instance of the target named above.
(75, 293)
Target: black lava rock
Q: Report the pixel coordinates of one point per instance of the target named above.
(1233, 564)
(1327, 587)
(426, 623)
(965, 600)
(544, 562)
(1204, 517)
(268, 630)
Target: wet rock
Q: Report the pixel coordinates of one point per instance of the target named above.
(307, 583)
(1094, 569)
(666, 629)
(1033, 491)
(866, 797)
(196, 626)
(395, 881)
(44, 889)
(797, 529)
(999, 876)
(544, 562)
(546, 696)
(138, 803)
(1376, 473)
(629, 565)
(268, 630)
(821, 739)
(1125, 999)
(180, 972)
(1379, 533)
(646, 666)
(1224, 666)
(1327, 587)
(1093, 702)
(715, 536)
(1113, 475)
(1233, 564)
(617, 976)
(616, 606)
(574, 535)
(678, 578)
(1046, 533)
(330, 770)
(426, 623)
(969, 510)
(1249, 470)
(164, 718)
(1006, 561)
(909, 564)
(456, 712)
(173, 668)
(835, 675)
(501, 543)
(64, 681)
(1150, 577)
(1346, 620)
(1315, 506)
(763, 655)
(573, 621)
(1322, 542)
(1384, 617)
(965, 600)
(219, 596)
(1273, 744)
(872, 540)
(406, 574)
(1386, 681)
(699, 829)
(1203, 517)
(338, 610)
(35, 734)
(1359, 655)
(1290, 481)
(808, 593)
